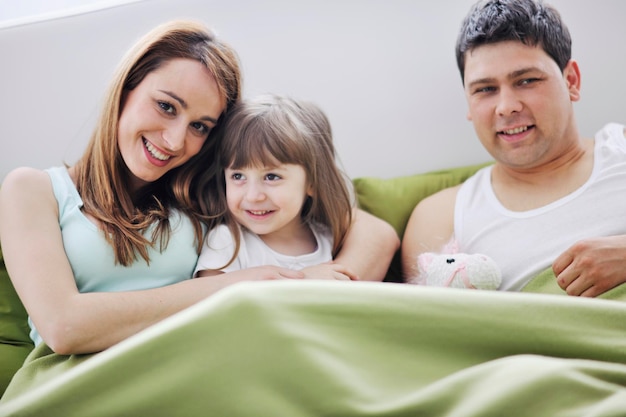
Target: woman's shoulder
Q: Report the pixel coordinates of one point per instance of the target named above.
(53, 182)
(25, 179)
(26, 192)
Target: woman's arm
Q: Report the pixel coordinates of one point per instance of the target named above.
(68, 321)
(369, 247)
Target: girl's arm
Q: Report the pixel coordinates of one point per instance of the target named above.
(68, 321)
(369, 247)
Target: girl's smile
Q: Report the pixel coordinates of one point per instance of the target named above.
(267, 200)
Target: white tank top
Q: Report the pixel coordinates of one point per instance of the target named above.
(527, 242)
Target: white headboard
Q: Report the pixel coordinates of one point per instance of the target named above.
(384, 72)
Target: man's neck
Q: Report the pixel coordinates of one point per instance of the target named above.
(522, 189)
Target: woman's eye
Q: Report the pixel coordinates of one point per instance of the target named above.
(201, 128)
(166, 107)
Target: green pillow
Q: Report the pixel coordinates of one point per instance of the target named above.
(15, 342)
(394, 199)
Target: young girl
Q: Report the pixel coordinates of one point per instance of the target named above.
(286, 203)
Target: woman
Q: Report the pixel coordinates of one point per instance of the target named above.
(103, 249)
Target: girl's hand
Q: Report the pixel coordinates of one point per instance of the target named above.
(330, 270)
(257, 273)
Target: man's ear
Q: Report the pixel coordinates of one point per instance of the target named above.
(571, 74)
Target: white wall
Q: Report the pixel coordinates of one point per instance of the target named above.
(383, 71)
(27, 11)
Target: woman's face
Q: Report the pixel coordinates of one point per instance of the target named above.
(166, 119)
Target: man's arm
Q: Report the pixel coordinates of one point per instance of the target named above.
(430, 228)
(591, 267)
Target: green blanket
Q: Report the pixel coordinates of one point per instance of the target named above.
(545, 283)
(320, 348)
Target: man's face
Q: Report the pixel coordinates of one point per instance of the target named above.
(520, 102)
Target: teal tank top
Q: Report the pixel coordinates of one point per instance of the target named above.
(92, 258)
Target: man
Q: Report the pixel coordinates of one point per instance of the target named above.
(552, 198)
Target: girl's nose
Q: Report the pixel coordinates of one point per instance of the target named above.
(255, 192)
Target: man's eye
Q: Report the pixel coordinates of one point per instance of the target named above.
(528, 81)
(484, 90)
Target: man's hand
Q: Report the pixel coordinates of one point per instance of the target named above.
(591, 267)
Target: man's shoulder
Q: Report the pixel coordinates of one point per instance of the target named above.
(611, 131)
(443, 202)
(440, 199)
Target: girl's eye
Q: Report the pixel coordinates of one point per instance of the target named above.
(237, 176)
(272, 177)
(167, 107)
(201, 128)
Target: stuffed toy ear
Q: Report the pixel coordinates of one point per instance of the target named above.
(451, 247)
(423, 262)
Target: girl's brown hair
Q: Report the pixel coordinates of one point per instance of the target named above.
(274, 128)
(102, 176)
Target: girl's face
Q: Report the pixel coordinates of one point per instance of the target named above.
(166, 119)
(268, 200)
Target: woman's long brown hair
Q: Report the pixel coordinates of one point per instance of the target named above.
(102, 176)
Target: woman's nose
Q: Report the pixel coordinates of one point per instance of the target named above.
(174, 135)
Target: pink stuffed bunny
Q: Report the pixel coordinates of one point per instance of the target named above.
(459, 270)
